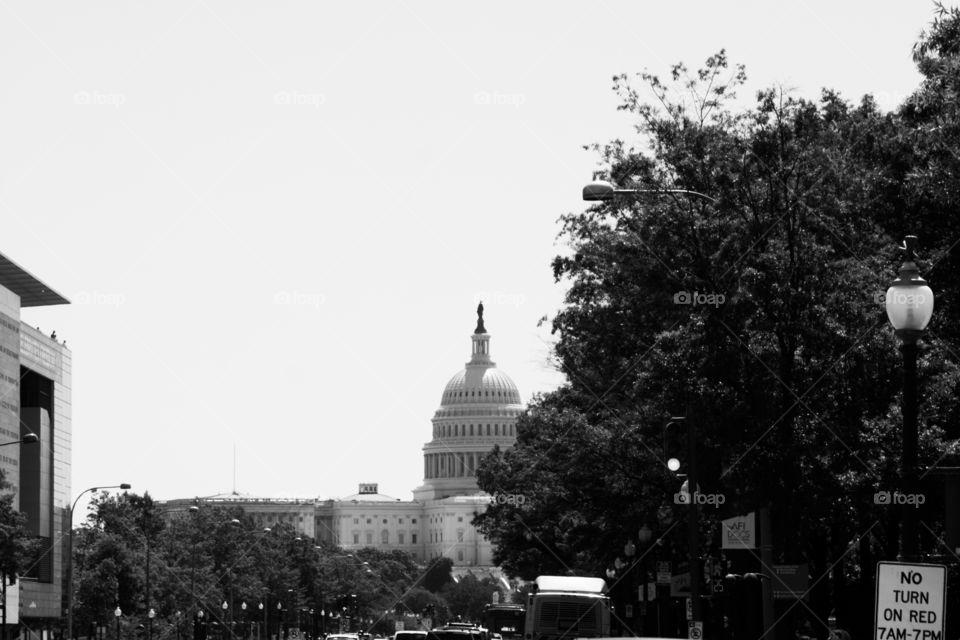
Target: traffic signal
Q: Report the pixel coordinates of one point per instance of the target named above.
(675, 444)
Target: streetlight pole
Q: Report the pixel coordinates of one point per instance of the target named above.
(601, 191)
(279, 619)
(264, 632)
(243, 621)
(644, 535)
(27, 438)
(116, 614)
(124, 486)
(909, 304)
(693, 517)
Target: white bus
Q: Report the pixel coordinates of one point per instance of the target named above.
(567, 607)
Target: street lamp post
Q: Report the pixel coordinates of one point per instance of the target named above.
(689, 491)
(150, 615)
(243, 621)
(644, 535)
(124, 486)
(909, 304)
(116, 614)
(28, 438)
(600, 190)
(630, 551)
(264, 630)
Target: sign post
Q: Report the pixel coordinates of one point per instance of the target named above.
(910, 601)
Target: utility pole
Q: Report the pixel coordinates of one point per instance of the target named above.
(693, 509)
(693, 534)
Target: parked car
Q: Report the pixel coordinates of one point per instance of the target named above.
(410, 635)
(453, 634)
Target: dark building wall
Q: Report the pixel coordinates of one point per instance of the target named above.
(10, 398)
(40, 587)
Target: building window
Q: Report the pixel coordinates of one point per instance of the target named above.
(356, 521)
(413, 538)
(369, 538)
(384, 536)
(414, 521)
(459, 555)
(400, 520)
(384, 521)
(356, 538)
(368, 520)
(459, 535)
(459, 518)
(400, 538)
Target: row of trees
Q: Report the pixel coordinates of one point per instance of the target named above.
(791, 372)
(133, 555)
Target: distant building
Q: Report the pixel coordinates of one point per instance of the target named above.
(478, 409)
(35, 384)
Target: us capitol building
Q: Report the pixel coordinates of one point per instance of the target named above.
(478, 409)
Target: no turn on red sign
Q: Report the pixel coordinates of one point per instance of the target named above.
(910, 601)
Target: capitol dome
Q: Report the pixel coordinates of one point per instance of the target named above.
(489, 386)
(478, 411)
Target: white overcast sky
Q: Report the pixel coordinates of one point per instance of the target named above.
(275, 219)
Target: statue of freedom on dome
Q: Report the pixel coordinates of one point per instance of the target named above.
(480, 328)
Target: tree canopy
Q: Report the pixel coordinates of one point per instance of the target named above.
(203, 557)
(757, 312)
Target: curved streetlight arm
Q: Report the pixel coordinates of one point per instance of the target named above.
(73, 506)
(601, 190)
(28, 438)
(123, 485)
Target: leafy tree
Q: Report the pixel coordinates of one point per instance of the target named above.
(18, 547)
(468, 596)
(422, 602)
(786, 366)
(438, 574)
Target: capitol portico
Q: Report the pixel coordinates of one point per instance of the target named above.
(478, 409)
